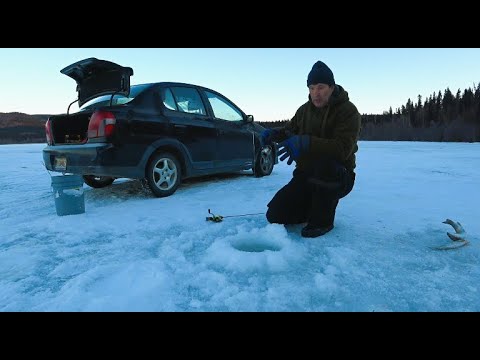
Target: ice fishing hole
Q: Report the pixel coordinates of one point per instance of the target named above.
(255, 245)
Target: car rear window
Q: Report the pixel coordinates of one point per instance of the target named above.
(104, 100)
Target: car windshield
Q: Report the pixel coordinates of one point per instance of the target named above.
(104, 100)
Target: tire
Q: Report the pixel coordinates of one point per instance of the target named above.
(98, 181)
(264, 162)
(163, 174)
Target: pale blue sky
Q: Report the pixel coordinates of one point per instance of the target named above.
(266, 82)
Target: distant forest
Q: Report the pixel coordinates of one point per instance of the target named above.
(20, 128)
(441, 117)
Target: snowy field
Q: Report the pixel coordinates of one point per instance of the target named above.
(131, 251)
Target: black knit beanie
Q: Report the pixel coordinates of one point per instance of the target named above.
(320, 74)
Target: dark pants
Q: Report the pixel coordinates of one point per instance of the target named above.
(312, 196)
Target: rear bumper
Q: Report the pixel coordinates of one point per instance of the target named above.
(90, 159)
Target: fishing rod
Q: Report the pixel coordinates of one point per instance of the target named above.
(219, 218)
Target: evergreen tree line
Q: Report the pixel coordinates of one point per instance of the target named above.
(441, 117)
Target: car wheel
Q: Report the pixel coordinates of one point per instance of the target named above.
(163, 174)
(98, 181)
(264, 163)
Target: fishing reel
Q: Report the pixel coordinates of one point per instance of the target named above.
(214, 218)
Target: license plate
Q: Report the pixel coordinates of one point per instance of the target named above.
(60, 163)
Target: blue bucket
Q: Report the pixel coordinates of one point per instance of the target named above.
(68, 194)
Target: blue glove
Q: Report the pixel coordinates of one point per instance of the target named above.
(267, 136)
(293, 147)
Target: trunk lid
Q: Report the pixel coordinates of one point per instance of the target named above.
(97, 77)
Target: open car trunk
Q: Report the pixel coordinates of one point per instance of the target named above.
(96, 77)
(70, 129)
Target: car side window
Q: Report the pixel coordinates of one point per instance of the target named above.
(168, 99)
(188, 100)
(223, 109)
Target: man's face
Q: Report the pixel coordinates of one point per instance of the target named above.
(320, 93)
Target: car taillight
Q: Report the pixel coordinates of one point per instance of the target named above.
(102, 123)
(48, 132)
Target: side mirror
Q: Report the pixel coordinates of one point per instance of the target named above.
(249, 118)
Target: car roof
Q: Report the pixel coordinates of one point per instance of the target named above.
(170, 83)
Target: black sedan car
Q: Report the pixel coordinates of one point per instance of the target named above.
(161, 132)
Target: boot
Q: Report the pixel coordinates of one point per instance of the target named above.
(313, 231)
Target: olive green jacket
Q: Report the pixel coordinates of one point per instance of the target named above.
(334, 129)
